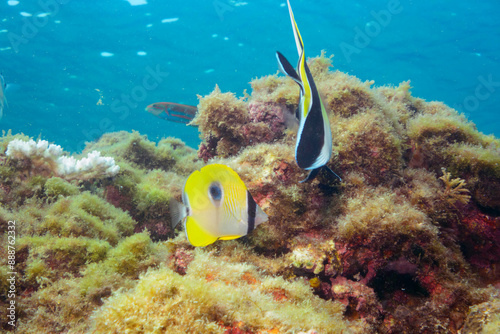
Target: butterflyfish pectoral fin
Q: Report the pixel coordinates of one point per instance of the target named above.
(196, 235)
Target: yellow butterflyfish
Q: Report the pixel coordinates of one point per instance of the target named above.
(216, 205)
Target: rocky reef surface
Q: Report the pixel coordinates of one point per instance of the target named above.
(408, 242)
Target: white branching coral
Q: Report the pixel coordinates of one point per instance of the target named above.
(47, 157)
(20, 149)
(93, 164)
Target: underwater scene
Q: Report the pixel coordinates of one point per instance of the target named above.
(249, 167)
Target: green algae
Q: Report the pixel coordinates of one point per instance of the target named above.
(86, 215)
(154, 191)
(170, 154)
(74, 275)
(55, 187)
(50, 258)
(213, 290)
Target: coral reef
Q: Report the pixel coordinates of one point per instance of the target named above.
(483, 318)
(408, 242)
(214, 297)
(228, 124)
(455, 190)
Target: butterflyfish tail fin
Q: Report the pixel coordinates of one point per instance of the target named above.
(196, 235)
(178, 212)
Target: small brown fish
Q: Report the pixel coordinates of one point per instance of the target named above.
(174, 112)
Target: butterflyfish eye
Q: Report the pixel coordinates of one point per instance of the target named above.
(215, 191)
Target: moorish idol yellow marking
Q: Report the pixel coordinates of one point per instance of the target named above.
(313, 148)
(216, 205)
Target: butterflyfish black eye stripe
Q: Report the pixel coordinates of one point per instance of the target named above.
(252, 209)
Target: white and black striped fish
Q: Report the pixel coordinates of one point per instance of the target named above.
(313, 148)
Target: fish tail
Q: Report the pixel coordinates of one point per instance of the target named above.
(178, 212)
(332, 172)
(314, 172)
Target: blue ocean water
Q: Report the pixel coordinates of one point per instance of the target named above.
(78, 69)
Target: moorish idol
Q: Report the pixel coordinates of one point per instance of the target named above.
(174, 112)
(216, 206)
(313, 148)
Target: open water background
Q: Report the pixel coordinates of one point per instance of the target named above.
(61, 57)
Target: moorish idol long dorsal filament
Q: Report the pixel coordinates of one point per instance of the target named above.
(313, 148)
